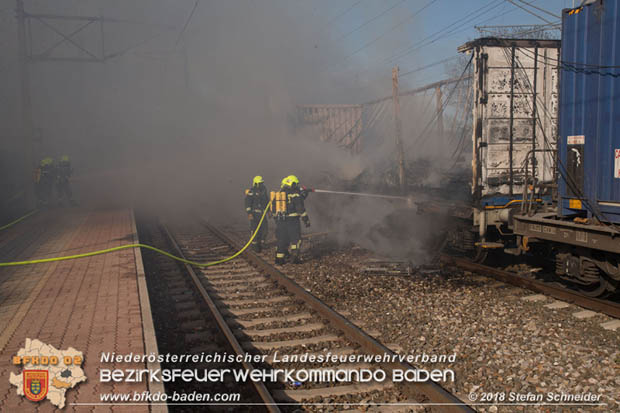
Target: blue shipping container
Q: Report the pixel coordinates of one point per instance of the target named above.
(589, 111)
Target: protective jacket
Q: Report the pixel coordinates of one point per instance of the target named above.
(64, 171)
(295, 207)
(256, 199)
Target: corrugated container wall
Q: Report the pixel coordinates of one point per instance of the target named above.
(515, 115)
(590, 111)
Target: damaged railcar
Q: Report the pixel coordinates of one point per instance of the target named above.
(515, 92)
(546, 148)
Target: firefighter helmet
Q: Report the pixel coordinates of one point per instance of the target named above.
(289, 181)
(47, 161)
(64, 158)
(257, 180)
(293, 180)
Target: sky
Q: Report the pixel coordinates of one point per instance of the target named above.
(369, 33)
(424, 32)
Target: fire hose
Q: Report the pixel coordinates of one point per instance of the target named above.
(167, 254)
(145, 246)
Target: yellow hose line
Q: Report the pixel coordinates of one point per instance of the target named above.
(19, 219)
(148, 247)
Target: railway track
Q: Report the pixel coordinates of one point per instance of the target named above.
(609, 308)
(259, 310)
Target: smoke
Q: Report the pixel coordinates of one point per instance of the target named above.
(184, 121)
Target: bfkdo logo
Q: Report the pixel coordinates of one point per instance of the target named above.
(47, 372)
(36, 384)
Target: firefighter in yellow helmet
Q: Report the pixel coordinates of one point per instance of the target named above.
(63, 186)
(290, 211)
(256, 200)
(44, 180)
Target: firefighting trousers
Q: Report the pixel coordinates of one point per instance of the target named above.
(63, 188)
(288, 235)
(262, 232)
(44, 189)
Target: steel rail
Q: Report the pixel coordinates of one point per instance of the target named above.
(260, 387)
(595, 304)
(433, 391)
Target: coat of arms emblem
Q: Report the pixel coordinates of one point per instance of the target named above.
(36, 384)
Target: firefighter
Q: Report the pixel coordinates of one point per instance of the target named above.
(44, 180)
(63, 173)
(290, 210)
(256, 200)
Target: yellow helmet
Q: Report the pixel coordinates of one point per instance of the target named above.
(257, 180)
(64, 158)
(293, 179)
(47, 161)
(289, 181)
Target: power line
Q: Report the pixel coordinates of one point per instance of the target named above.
(419, 69)
(528, 11)
(333, 19)
(403, 52)
(372, 19)
(189, 18)
(445, 103)
(541, 9)
(391, 29)
(563, 62)
(445, 31)
(572, 67)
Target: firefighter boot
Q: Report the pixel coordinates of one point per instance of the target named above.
(295, 258)
(280, 258)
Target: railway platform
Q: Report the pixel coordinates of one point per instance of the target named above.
(93, 305)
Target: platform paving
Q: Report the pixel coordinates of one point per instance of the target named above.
(95, 304)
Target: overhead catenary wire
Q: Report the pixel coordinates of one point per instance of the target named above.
(528, 11)
(445, 103)
(461, 28)
(406, 50)
(367, 22)
(540, 9)
(588, 69)
(577, 63)
(428, 66)
(391, 29)
(461, 145)
(333, 19)
(134, 46)
(189, 18)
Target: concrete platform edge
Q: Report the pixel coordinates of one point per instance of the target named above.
(148, 327)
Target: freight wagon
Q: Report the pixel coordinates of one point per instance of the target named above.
(583, 228)
(515, 92)
(546, 148)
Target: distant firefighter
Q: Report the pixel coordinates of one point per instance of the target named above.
(44, 181)
(256, 200)
(289, 208)
(63, 186)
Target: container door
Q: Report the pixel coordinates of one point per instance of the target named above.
(575, 164)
